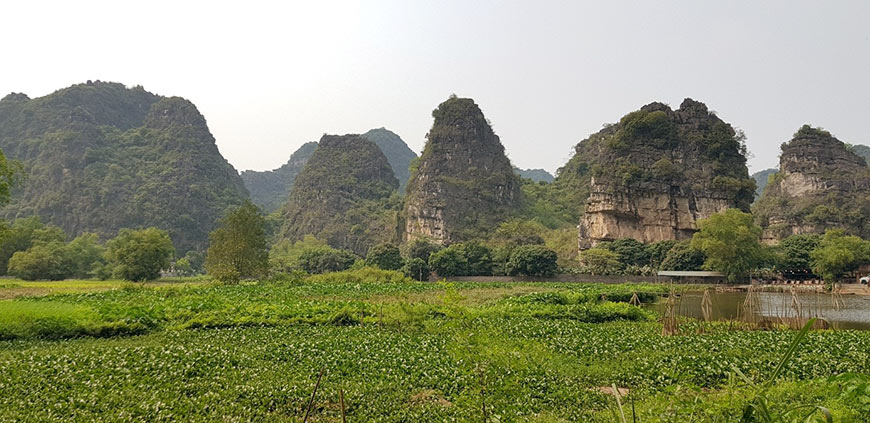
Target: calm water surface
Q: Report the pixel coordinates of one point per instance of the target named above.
(853, 313)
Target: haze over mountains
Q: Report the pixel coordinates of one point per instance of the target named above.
(98, 157)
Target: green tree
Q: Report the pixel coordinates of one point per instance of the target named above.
(284, 255)
(420, 248)
(139, 255)
(516, 232)
(86, 255)
(450, 261)
(631, 252)
(795, 252)
(23, 234)
(657, 252)
(237, 248)
(532, 260)
(316, 260)
(44, 260)
(838, 254)
(732, 243)
(385, 256)
(417, 269)
(682, 256)
(600, 261)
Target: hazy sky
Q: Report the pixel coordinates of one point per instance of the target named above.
(271, 76)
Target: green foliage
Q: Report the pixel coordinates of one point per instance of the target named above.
(41, 261)
(651, 128)
(794, 253)
(732, 243)
(532, 260)
(838, 254)
(450, 261)
(600, 261)
(99, 157)
(284, 255)
(325, 259)
(417, 269)
(237, 248)
(398, 154)
(270, 189)
(516, 232)
(139, 255)
(657, 251)
(385, 256)
(345, 195)
(420, 248)
(631, 252)
(23, 234)
(682, 256)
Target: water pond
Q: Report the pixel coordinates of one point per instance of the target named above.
(852, 312)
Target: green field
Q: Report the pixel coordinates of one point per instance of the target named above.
(399, 351)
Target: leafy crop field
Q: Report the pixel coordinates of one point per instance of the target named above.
(398, 351)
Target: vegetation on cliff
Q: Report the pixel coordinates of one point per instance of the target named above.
(345, 195)
(398, 154)
(463, 184)
(821, 184)
(98, 157)
(270, 189)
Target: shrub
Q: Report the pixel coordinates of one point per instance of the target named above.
(450, 261)
(683, 257)
(532, 260)
(600, 261)
(139, 255)
(325, 259)
(366, 275)
(416, 269)
(41, 261)
(630, 252)
(420, 248)
(385, 256)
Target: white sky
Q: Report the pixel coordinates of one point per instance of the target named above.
(271, 76)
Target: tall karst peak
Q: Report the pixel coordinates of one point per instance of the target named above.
(821, 184)
(344, 195)
(397, 151)
(463, 184)
(656, 172)
(99, 157)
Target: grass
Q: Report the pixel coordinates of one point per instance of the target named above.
(400, 351)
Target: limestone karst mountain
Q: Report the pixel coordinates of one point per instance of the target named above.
(821, 184)
(654, 174)
(397, 151)
(270, 189)
(346, 195)
(537, 175)
(98, 157)
(761, 177)
(463, 184)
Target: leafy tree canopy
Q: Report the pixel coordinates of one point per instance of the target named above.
(139, 255)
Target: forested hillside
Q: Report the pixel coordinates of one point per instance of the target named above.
(98, 156)
(269, 189)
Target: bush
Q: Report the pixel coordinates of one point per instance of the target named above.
(532, 260)
(366, 275)
(417, 269)
(420, 248)
(41, 261)
(325, 259)
(600, 261)
(683, 257)
(237, 248)
(385, 256)
(450, 261)
(631, 252)
(139, 255)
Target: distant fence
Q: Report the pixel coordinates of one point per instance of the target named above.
(585, 278)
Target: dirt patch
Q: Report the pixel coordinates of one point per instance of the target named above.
(430, 396)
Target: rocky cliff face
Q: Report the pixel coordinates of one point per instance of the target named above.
(464, 184)
(270, 189)
(821, 184)
(99, 156)
(654, 174)
(344, 195)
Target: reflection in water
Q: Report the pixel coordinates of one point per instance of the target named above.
(852, 313)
